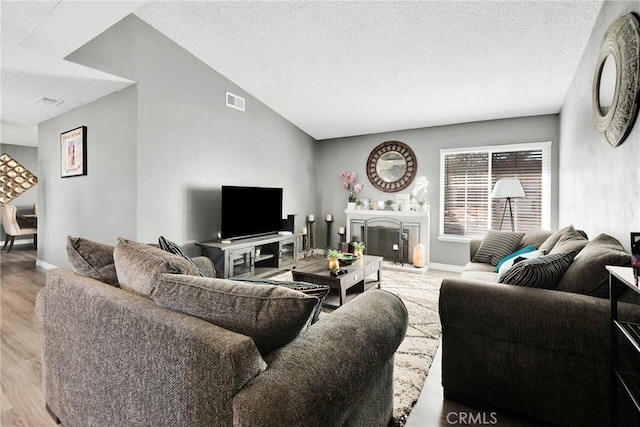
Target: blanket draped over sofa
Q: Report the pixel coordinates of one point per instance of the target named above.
(534, 351)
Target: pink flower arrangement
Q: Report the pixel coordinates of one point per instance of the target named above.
(349, 183)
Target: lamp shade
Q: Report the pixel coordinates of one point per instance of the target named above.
(508, 188)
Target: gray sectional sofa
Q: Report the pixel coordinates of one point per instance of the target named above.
(119, 347)
(539, 352)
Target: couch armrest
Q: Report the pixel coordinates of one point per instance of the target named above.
(205, 265)
(474, 245)
(322, 375)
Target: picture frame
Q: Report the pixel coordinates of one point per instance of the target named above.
(73, 152)
(403, 202)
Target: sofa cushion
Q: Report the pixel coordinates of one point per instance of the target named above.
(486, 276)
(270, 315)
(92, 259)
(139, 266)
(311, 289)
(542, 272)
(570, 240)
(515, 254)
(588, 275)
(174, 248)
(506, 266)
(496, 245)
(535, 237)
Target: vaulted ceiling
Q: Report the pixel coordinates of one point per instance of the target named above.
(332, 68)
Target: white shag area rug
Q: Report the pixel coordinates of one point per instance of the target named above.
(413, 358)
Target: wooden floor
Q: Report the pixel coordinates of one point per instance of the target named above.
(22, 402)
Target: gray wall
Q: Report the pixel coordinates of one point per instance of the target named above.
(184, 143)
(101, 205)
(28, 157)
(350, 154)
(599, 185)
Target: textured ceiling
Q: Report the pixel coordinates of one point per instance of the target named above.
(28, 74)
(340, 68)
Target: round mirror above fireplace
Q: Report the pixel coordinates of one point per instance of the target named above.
(391, 166)
(615, 82)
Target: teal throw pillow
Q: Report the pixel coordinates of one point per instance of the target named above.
(524, 250)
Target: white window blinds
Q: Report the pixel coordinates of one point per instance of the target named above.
(468, 177)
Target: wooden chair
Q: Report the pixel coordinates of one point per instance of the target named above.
(12, 228)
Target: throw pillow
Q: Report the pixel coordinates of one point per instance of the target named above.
(496, 245)
(535, 237)
(174, 248)
(139, 266)
(551, 241)
(588, 275)
(311, 289)
(92, 259)
(515, 254)
(543, 272)
(570, 240)
(506, 266)
(271, 315)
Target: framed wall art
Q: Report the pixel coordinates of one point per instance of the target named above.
(73, 152)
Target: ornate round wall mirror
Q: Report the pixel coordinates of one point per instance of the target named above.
(615, 82)
(391, 166)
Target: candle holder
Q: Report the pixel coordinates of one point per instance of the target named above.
(308, 251)
(329, 221)
(311, 222)
(395, 254)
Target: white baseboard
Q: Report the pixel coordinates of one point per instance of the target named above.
(45, 265)
(446, 267)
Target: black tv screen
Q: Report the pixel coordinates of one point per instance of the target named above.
(250, 211)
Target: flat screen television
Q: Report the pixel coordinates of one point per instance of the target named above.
(250, 211)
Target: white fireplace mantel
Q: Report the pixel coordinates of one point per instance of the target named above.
(409, 218)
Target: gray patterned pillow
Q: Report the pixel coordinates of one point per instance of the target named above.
(497, 245)
(544, 272)
(270, 315)
(176, 249)
(92, 259)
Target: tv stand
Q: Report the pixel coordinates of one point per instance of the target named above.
(252, 257)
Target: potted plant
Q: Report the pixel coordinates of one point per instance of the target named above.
(358, 248)
(349, 183)
(333, 256)
(388, 204)
(359, 203)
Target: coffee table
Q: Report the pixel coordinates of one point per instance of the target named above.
(360, 276)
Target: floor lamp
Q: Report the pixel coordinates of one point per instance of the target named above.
(508, 189)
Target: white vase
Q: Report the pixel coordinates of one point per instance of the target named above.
(351, 205)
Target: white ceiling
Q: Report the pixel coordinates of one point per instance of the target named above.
(336, 68)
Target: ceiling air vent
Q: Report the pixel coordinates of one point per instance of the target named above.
(49, 101)
(235, 101)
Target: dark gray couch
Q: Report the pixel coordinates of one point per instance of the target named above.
(115, 357)
(539, 352)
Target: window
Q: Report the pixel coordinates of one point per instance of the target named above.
(467, 177)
